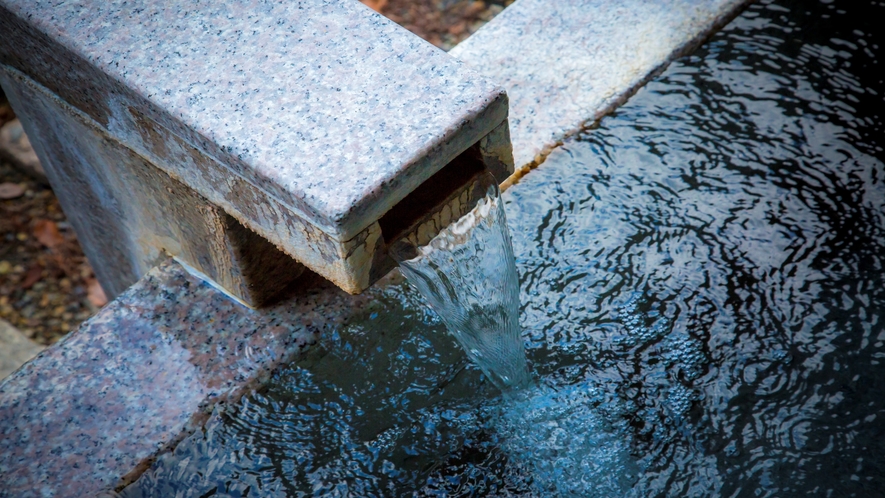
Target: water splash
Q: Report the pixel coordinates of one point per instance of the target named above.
(560, 436)
(468, 276)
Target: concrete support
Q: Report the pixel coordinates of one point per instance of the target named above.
(129, 215)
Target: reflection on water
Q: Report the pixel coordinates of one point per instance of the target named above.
(702, 297)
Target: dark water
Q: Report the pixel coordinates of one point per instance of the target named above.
(702, 291)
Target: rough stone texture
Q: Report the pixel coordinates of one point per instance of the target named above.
(566, 63)
(90, 412)
(130, 216)
(16, 148)
(306, 121)
(15, 349)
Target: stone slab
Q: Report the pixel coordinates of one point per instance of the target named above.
(112, 193)
(91, 412)
(306, 122)
(15, 349)
(323, 106)
(566, 63)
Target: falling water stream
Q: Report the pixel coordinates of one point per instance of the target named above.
(468, 276)
(701, 301)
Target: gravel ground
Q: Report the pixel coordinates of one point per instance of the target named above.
(47, 286)
(444, 23)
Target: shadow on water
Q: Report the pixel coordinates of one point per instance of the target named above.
(702, 292)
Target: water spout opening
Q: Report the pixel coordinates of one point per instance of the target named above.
(433, 192)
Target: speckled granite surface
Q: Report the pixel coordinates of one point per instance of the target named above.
(324, 105)
(109, 192)
(566, 63)
(91, 411)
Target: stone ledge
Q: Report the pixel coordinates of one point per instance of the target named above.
(567, 63)
(325, 107)
(305, 122)
(92, 412)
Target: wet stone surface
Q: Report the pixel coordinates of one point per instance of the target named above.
(89, 413)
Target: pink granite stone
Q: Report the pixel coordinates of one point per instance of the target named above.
(91, 412)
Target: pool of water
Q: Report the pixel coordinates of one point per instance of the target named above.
(702, 291)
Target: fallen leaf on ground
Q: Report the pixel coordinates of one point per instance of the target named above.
(458, 28)
(9, 190)
(46, 231)
(474, 9)
(95, 293)
(376, 5)
(35, 273)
